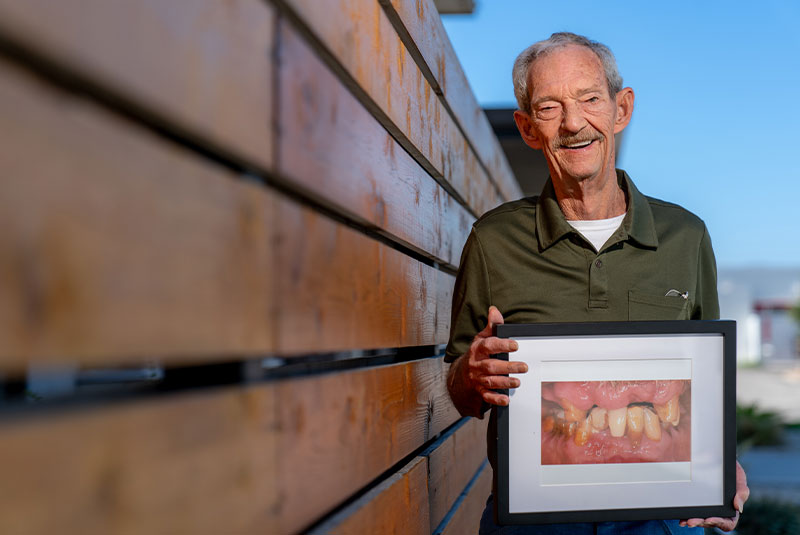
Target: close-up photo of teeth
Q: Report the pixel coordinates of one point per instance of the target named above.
(595, 422)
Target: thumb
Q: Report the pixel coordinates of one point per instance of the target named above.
(495, 318)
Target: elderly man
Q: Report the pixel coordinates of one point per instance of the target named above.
(591, 247)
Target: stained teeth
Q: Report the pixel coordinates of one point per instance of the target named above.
(562, 427)
(571, 427)
(669, 412)
(633, 421)
(547, 424)
(652, 427)
(583, 432)
(599, 418)
(635, 424)
(571, 412)
(616, 421)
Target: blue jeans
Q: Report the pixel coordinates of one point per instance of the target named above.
(646, 527)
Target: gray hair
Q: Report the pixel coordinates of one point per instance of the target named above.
(558, 40)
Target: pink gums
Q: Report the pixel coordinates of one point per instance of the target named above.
(612, 394)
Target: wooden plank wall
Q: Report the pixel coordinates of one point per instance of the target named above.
(228, 239)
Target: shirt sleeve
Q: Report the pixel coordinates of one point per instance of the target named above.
(706, 306)
(471, 299)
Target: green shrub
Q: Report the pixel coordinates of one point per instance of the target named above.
(756, 427)
(795, 312)
(769, 517)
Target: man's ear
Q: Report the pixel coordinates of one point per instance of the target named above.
(525, 127)
(624, 109)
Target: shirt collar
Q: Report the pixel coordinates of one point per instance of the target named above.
(638, 225)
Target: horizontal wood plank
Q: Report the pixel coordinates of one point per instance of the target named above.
(269, 458)
(340, 290)
(444, 296)
(424, 26)
(417, 491)
(180, 464)
(347, 429)
(364, 43)
(203, 68)
(333, 149)
(467, 518)
(452, 465)
(117, 246)
(397, 505)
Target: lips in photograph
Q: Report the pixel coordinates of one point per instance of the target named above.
(593, 422)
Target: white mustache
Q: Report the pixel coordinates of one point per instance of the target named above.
(573, 140)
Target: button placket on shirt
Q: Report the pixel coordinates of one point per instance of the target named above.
(598, 283)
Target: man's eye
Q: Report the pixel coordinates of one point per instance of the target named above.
(592, 100)
(547, 112)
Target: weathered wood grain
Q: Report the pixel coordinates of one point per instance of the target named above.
(271, 458)
(197, 463)
(424, 26)
(364, 43)
(333, 149)
(452, 465)
(397, 505)
(467, 517)
(117, 246)
(425, 489)
(339, 289)
(203, 67)
(444, 294)
(347, 429)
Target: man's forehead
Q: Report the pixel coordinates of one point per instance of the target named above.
(574, 65)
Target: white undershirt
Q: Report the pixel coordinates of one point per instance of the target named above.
(597, 231)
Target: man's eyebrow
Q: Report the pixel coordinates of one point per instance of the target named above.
(581, 92)
(592, 89)
(543, 99)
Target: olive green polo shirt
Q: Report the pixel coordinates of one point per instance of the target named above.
(525, 259)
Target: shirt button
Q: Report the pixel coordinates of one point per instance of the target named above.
(598, 263)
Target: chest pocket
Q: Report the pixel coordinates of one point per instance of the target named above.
(644, 306)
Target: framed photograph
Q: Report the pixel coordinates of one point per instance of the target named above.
(618, 421)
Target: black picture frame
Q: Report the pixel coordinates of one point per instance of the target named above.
(583, 510)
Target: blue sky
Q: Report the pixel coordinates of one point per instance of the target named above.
(716, 123)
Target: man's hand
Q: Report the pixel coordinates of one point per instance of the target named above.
(726, 524)
(475, 374)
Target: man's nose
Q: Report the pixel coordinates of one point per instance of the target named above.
(572, 120)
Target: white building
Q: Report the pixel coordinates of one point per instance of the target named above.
(759, 299)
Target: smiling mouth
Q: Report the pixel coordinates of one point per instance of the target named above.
(577, 144)
(615, 422)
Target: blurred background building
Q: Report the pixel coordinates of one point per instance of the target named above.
(760, 300)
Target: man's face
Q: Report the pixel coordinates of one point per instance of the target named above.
(573, 118)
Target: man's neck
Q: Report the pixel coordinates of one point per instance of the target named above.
(597, 197)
